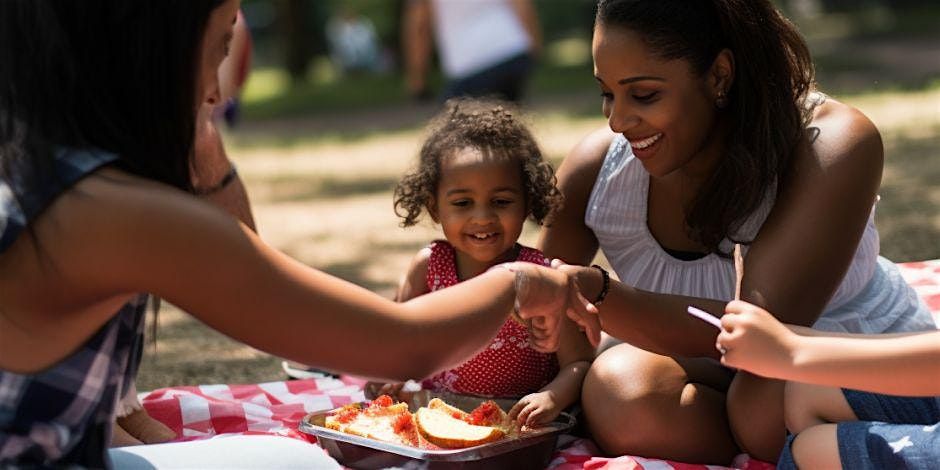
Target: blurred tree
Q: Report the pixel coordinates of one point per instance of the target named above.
(567, 18)
(302, 25)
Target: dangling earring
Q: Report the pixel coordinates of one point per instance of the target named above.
(722, 100)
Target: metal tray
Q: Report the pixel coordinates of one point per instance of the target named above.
(533, 450)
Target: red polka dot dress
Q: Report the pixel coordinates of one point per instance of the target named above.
(508, 367)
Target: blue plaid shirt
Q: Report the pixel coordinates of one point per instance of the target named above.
(62, 416)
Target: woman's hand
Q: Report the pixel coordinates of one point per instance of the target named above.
(586, 319)
(543, 296)
(535, 409)
(753, 340)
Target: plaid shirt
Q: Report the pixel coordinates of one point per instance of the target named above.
(62, 416)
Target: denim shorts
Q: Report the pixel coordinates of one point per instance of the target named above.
(892, 432)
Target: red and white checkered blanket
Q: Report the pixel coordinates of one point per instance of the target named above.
(277, 407)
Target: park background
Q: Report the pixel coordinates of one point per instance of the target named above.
(320, 148)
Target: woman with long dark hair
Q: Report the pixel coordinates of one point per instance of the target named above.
(98, 106)
(716, 137)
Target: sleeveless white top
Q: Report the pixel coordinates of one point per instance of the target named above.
(474, 35)
(872, 297)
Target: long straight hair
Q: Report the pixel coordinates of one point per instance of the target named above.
(114, 75)
(111, 75)
(773, 76)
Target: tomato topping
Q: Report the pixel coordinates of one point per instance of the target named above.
(347, 413)
(487, 413)
(383, 401)
(403, 423)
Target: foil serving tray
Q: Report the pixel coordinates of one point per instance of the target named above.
(533, 449)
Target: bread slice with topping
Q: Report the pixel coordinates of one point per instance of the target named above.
(438, 404)
(489, 413)
(382, 420)
(442, 429)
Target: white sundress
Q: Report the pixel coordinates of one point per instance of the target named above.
(872, 298)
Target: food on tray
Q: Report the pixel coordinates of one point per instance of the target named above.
(442, 429)
(382, 420)
(436, 425)
(438, 404)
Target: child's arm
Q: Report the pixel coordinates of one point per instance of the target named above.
(574, 354)
(905, 364)
(415, 282)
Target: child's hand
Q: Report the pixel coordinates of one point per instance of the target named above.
(753, 340)
(535, 409)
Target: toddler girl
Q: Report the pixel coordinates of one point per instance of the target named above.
(480, 175)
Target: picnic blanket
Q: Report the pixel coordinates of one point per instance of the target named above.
(276, 408)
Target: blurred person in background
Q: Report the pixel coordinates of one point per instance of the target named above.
(354, 45)
(486, 47)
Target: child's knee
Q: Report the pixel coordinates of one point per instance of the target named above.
(808, 405)
(800, 407)
(817, 447)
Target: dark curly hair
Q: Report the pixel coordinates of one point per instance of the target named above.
(484, 124)
(773, 76)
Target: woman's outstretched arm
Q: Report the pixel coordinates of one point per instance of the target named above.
(114, 235)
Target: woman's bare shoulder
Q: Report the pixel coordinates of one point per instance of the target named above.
(842, 136)
(589, 153)
(579, 170)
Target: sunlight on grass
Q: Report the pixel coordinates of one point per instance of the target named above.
(265, 84)
(569, 51)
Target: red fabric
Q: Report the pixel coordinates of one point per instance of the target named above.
(267, 408)
(277, 407)
(508, 367)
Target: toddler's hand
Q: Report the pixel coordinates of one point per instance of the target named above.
(753, 340)
(535, 409)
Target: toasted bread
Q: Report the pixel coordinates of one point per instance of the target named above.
(381, 420)
(489, 413)
(341, 417)
(442, 429)
(438, 404)
(394, 428)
